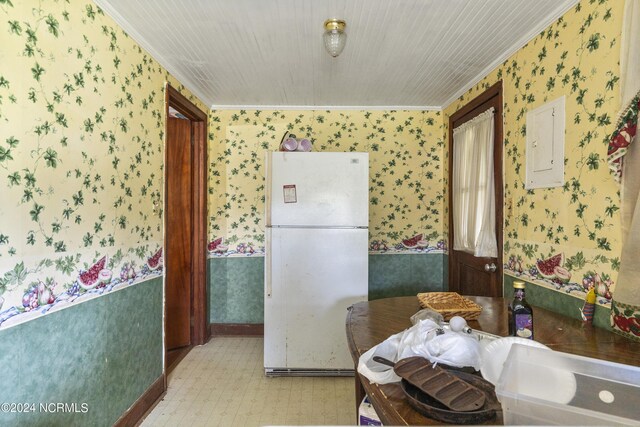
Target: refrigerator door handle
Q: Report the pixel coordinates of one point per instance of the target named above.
(267, 264)
(267, 187)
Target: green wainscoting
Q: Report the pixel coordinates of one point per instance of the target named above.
(558, 302)
(392, 275)
(104, 352)
(445, 274)
(236, 284)
(236, 289)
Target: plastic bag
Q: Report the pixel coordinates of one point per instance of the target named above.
(422, 339)
(427, 313)
(454, 349)
(376, 372)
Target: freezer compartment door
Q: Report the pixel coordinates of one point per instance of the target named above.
(317, 189)
(316, 274)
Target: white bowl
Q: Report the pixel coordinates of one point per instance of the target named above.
(493, 355)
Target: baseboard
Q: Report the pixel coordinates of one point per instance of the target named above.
(244, 329)
(173, 357)
(144, 404)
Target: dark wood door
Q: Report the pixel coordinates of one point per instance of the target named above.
(467, 273)
(179, 232)
(471, 277)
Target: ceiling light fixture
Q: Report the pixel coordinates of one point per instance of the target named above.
(334, 36)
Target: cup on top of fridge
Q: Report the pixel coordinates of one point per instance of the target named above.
(289, 144)
(304, 145)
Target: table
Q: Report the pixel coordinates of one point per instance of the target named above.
(370, 323)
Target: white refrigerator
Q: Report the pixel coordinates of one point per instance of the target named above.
(316, 262)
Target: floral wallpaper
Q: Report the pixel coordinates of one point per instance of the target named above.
(81, 157)
(565, 238)
(405, 168)
(81, 160)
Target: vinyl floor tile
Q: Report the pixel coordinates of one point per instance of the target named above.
(222, 384)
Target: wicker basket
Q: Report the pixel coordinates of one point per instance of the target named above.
(450, 304)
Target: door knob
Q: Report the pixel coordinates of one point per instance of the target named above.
(490, 267)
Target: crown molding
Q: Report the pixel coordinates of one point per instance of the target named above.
(328, 107)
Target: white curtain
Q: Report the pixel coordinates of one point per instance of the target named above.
(474, 214)
(630, 53)
(624, 152)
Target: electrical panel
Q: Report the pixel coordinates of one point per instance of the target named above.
(545, 145)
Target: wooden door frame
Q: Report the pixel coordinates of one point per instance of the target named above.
(495, 91)
(199, 301)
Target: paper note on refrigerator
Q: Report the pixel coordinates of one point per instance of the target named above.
(289, 193)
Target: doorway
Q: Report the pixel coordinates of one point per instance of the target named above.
(468, 274)
(185, 221)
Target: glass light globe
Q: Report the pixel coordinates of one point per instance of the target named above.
(334, 36)
(334, 42)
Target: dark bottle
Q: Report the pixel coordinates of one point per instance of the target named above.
(520, 313)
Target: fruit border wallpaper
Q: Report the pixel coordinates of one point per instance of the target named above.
(405, 170)
(565, 238)
(81, 155)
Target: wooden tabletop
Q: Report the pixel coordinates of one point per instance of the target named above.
(370, 323)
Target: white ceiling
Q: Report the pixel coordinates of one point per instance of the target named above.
(416, 54)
